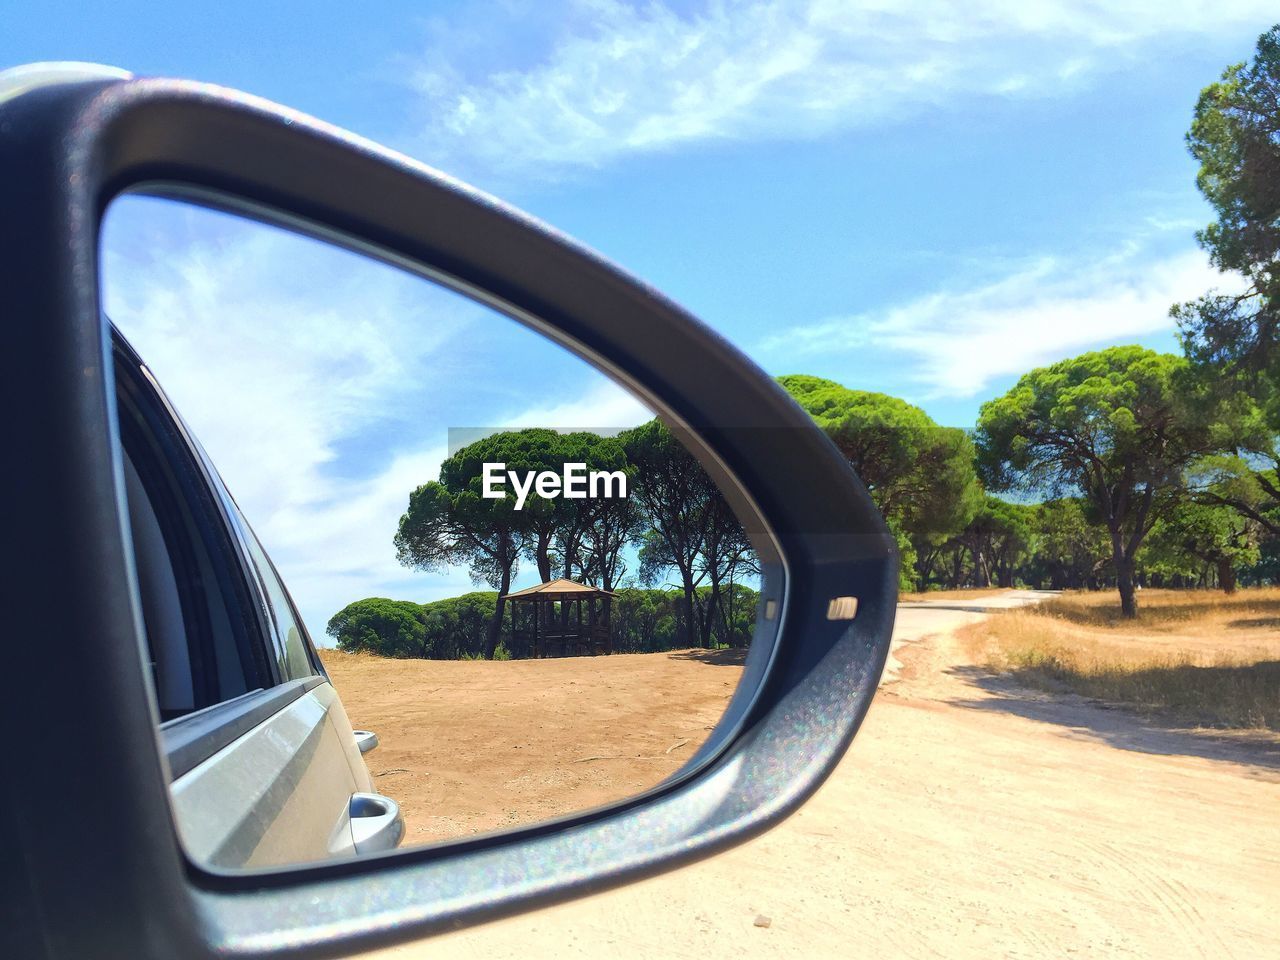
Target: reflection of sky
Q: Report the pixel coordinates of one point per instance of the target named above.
(324, 384)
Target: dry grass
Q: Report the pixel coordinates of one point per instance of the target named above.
(1165, 610)
(964, 593)
(1196, 657)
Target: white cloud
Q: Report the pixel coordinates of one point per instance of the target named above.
(598, 405)
(338, 548)
(278, 346)
(955, 342)
(278, 351)
(624, 78)
(341, 545)
(602, 405)
(322, 385)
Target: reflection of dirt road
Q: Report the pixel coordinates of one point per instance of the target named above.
(469, 746)
(969, 820)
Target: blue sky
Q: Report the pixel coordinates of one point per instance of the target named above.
(919, 198)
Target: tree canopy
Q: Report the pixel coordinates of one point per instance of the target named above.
(450, 629)
(674, 518)
(690, 528)
(1232, 337)
(1235, 136)
(389, 628)
(997, 537)
(919, 474)
(456, 628)
(1071, 551)
(449, 521)
(1118, 426)
(1195, 533)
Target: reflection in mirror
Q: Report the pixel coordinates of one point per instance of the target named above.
(517, 586)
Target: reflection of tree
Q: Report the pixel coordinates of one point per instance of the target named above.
(558, 525)
(674, 514)
(448, 523)
(591, 533)
(692, 530)
(610, 527)
(726, 557)
(446, 526)
(644, 621)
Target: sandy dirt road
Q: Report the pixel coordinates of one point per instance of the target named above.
(970, 819)
(470, 747)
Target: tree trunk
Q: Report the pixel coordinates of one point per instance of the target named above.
(713, 612)
(609, 563)
(925, 562)
(542, 554)
(690, 616)
(1125, 584)
(981, 569)
(728, 619)
(1004, 574)
(1226, 576)
(495, 625)
(690, 606)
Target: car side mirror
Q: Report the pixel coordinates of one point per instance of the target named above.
(94, 837)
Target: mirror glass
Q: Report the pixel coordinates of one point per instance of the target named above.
(409, 570)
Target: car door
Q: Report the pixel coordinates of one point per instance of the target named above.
(265, 766)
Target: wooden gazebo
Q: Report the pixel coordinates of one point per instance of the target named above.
(562, 618)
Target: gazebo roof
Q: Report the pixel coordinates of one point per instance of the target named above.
(559, 589)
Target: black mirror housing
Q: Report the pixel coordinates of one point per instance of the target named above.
(99, 871)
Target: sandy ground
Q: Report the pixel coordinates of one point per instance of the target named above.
(970, 819)
(468, 747)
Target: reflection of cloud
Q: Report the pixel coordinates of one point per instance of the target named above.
(338, 549)
(619, 78)
(603, 405)
(341, 547)
(321, 384)
(955, 342)
(278, 350)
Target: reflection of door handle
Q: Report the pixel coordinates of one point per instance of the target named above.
(366, 740)
(376, 823)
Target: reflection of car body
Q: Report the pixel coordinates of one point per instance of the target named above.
(265, 766)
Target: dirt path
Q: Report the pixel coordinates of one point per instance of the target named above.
(970, 819)
(468, 746)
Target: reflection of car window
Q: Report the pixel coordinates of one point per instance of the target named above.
(291, 648)
(288, 636)
(197, 617)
